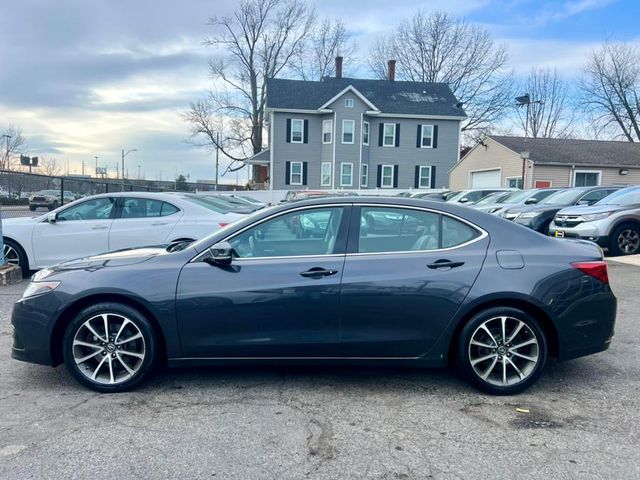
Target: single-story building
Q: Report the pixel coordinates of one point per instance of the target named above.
(497, 161)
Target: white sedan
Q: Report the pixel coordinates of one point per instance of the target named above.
(107, 222)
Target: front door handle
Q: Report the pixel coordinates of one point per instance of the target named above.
(157, 224)
(318, 272)
(444, 263)
(99, 227)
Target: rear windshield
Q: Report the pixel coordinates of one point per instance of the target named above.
(621, 197)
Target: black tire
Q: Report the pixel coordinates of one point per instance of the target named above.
(32, 208)
(614, 243)
(54, 206)
(113, 310)
(530, 329)
(23, 260)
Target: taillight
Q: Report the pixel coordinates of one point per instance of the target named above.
(597, 269)
(222, 225)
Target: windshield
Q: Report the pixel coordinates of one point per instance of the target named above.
(497, 197)
(49, 192)
(565, 197)
(206, 203)
(622, 197)
(516, 197)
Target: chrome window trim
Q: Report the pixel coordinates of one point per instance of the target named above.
(483, 232)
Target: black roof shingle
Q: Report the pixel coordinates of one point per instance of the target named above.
(572, 151)
(397, 97)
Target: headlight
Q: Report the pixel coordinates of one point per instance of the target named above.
(590, 217)
(529, 215)
(38, 288)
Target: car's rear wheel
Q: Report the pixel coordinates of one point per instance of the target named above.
(109, 347)
(502, 350)
(625, 240)
(14, 254)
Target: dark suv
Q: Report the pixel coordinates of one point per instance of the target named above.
(539, 216)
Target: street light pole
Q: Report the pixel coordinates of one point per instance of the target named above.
(124, 155)
(525, 100)
(217, 148)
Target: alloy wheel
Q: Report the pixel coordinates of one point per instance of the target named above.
(109, 348)
(11, 255)
(629, 241)
(503, 351)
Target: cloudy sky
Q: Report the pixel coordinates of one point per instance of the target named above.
(88, 78)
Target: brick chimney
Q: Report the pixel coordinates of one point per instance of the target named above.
(338, 67)
(391, 70)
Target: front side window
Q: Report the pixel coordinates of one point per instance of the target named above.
(365, 133)
(295, 175)
(426, 139)
(297, 130)
(388, 229)
(347, 131)
(325, 179)
(327, 127)
(95, 209)
(298, 233)
(364, 174)
(387, 176)
(424, 176)
(593, 197)
(389, 139)
(586, 179)
(346, 175)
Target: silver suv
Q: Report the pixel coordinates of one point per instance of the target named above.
(613, 222)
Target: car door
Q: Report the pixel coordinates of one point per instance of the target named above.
(278, 298)
(401, 287)
(81, 229)
(142, 222)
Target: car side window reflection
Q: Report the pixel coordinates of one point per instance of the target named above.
(303, 232)
(146, 208)
(454, 232)
(95, 209)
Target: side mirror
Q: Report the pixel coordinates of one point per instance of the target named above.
(52, 217)
(463, 200)
(221, 254)
(584, 202)
(531, 201)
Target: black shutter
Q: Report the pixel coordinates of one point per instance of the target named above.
(379, 179)
(397, 134)
(304, 172)
(395, 176)
(416, 183)
(288, 135)
(419, 137)
(305, 133)
(434, 140)
(381, 135)
(287, 173)
(433, 177)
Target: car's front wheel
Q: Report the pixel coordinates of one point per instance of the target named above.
(110, 347)
(625, 240)
(502, 350)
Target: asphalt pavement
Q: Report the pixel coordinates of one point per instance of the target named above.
(334, 423)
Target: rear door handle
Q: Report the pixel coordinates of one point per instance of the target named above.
(99, 227)
(156, 224)
(444, 263)
(318, 272)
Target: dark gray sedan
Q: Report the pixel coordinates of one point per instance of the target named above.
(445, 285)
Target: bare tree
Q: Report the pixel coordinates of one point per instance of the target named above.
(49, 166)
(553, 117)
(327, 40)
(11, 141)
(255, 43)
(610, 89)
(439, 48)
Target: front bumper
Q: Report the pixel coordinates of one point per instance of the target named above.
(591, 231)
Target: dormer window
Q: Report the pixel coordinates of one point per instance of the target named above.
(348, 102)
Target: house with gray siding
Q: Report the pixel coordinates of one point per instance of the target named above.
(347, 133)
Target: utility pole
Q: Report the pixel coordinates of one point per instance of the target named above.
(96, 166)
(217, 148)
(139, 171)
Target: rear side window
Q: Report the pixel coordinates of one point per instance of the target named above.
(387, 229)
(146, 208)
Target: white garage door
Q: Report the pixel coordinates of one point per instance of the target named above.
(485, 179)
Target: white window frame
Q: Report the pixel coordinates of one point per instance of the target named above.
(368, 130)
(322, 174)
(327, 131)
(506, 182)
(422, 136)
(342, 183)
(430, 168)
(364, 175)
(392, 167)
(348, 102)
(353, 131)
(291, 164)
(294, 120)
(598, 172)
(384, 136)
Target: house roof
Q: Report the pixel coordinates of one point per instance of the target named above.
(565, 151)
(260, 158)
(397, 97)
